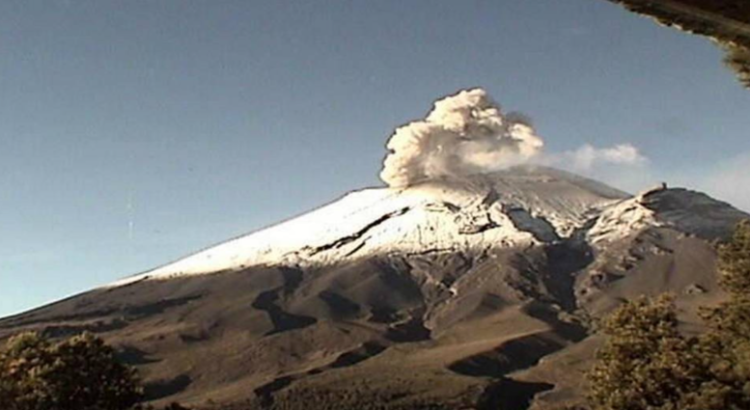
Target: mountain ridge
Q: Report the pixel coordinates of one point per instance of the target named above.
(465, 292)
(453, 189)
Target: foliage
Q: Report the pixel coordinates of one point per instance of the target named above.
(728, 340)
(647, 364)
(738, 59)
(80, 373)
(734, 263)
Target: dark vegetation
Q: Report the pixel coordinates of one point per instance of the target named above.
(79, 373)
(726, 21)
(516, 335)
(735, 9)
(738, 59)
(647, 363)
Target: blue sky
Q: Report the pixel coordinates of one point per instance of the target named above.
(134, 132)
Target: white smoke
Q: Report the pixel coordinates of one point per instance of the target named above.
(467, 133)
(587, 157)
(464, 133)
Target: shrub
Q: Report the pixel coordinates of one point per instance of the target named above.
(647, 364)
(80, 373)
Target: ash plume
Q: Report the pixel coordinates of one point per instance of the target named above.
(465, 133)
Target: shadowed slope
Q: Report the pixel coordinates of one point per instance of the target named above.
(451, 294)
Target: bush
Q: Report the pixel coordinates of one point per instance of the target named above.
(80, 373)
(727, 343)
(647, 364)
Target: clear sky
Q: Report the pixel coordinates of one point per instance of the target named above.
(134, 132)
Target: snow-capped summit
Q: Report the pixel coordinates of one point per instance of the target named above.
(522, 205)
(458, 281)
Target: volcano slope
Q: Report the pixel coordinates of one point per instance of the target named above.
(474, 293)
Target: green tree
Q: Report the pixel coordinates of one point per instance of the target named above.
(646, 364)
(80, 373)
(727, 343)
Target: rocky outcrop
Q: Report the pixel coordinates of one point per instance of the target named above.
(449, 294)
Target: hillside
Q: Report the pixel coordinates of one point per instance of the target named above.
(474, 292)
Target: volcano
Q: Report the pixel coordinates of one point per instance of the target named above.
(475, 292)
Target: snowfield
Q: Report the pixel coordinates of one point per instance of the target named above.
(517, 207)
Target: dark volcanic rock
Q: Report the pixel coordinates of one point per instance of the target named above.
(478, 304)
